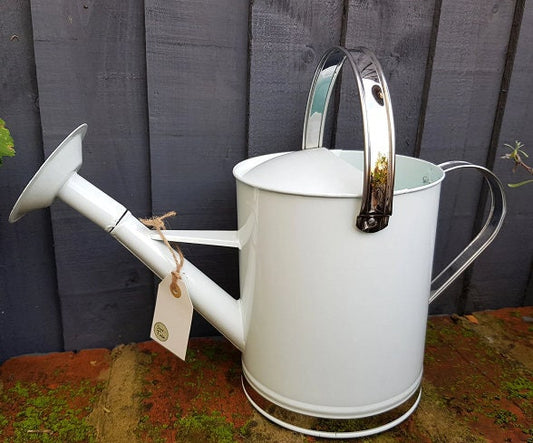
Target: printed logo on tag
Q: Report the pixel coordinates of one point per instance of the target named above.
(172, 320)
(161, 331)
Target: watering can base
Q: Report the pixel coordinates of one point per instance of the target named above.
(328, 427)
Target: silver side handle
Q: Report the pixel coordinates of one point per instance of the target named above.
(493, 224)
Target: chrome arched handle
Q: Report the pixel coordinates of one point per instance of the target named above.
(492, 225)
(378, 128)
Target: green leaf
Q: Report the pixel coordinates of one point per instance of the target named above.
(6, 142)
(516, 185)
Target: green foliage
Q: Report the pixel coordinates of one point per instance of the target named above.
(20, 390)
(516, 155)
(503, 417)
(3, 423)
(47, 415)
(6, 142)
(203, 427)
(520, 387)
(517, 185)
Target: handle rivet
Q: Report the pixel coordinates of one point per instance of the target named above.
(378, 94)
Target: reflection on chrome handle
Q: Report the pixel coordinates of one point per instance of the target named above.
(493, 224)
(378, 128)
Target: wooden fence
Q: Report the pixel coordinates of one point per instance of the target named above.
(176, 92)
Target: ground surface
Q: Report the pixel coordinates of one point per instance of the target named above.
(478, 386)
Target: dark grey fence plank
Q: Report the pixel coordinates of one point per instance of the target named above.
(399, 33)
(197, 95)
(467, 72)
(528, 292)
(500, 277)
(29, 310)
(287, 40)
(91, 68)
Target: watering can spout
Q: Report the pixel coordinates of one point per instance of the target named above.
(58, 178)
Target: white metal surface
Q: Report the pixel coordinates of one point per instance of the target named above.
(91, 202)
(345, 311)
(313, 172)
(42, 189)
(214, 238)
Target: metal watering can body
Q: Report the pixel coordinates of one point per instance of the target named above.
(335, 318)
(335, 286)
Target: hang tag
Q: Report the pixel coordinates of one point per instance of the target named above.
(172, 318)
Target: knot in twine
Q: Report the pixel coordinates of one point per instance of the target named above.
(158, 224)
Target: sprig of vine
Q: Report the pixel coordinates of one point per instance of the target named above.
(516, 155)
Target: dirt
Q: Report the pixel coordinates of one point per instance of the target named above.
(510, 331)
(476, 376)
(478, 387)
(115, 416)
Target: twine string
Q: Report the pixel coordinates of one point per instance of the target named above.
(158, 223)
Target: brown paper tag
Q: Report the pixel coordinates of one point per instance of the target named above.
(172, 320)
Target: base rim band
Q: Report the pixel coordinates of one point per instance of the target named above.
(328, 427)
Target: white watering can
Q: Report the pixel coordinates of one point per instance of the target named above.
(331, 320)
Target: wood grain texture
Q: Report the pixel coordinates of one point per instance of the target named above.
(467, 72)
(197, 99)
(91, 68)
(500, 277)
(399, 34)
(30, 320)
(287, 39)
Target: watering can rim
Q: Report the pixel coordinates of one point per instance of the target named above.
(242, 168)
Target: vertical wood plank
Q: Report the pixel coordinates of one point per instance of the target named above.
(528, 292)
(399, 34)
(91, 68)
(467, 72)
(287, 40)
(29, 308)
(197, 96)
(500, 277)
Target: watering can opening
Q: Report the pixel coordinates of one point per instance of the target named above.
(323, 172)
